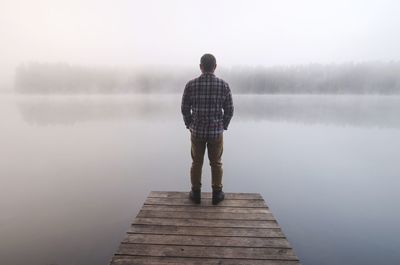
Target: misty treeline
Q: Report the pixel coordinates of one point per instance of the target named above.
(347, 78)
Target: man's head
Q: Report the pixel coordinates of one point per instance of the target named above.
(208, 63)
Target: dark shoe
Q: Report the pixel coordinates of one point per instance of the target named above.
(195, 196)
(217, 197)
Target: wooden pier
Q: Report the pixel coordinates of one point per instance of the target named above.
(170, 229)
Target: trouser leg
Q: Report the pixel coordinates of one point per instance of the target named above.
(198, 147)
(215, 150)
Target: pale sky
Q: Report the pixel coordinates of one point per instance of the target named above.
(178, 32)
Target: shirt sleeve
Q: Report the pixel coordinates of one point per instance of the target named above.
(186, 106)
(228, 108)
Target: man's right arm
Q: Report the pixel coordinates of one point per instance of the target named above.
(186, 106)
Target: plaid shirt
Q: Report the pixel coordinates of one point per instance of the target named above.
(207, 106)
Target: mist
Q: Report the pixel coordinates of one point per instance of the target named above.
(91, 122)
(176, 33)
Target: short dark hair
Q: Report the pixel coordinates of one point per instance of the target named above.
(208, 62)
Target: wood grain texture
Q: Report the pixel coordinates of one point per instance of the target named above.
(206, 195)
(189, 240)
(140, 260)
(206, 215)
(201, 209)
(207, 222)
(253, 203)
(206, 252)
(205, 231)
(170, 229)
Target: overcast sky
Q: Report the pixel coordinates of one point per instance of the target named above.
(172, 32)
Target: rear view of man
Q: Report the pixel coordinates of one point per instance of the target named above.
(207, 109)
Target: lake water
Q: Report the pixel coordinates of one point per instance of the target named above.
(75, 170)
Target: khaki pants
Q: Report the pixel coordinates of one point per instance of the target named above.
(215, 149)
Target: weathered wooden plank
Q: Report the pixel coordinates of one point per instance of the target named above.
(189, 240)
(199, 209)
(206, 231)
(141, 260)
(206, 252)
(197, 215)
(206, 195)
(206, 203)
(207, 222)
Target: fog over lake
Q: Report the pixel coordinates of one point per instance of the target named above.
(90, 96)
(75, 171)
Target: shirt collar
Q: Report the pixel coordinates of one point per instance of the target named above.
(207, 74)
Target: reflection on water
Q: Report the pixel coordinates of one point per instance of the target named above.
(365, 111)
(74, 171)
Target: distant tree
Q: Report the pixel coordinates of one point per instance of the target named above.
(346, 78)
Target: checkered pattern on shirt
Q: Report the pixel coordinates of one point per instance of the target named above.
(207, 106)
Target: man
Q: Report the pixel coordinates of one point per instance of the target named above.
(207, 109)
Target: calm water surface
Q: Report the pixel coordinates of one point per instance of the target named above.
(75, 170)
